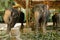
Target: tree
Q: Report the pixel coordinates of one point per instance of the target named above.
(5, 4)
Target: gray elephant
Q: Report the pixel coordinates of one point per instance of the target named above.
(11, 17)
(56, 20)
(41, 15)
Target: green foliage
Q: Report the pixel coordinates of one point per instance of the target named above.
(1, 16)
(40, 36)
(5, 4)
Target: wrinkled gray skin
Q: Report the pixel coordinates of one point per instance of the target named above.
(11, 17)
(56, 20)
(41, 14)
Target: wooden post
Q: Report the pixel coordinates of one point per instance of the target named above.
(27, 24)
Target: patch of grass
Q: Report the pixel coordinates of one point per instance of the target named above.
(49, 27)
(40, 36)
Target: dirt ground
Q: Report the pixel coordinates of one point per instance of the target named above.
(16, 34)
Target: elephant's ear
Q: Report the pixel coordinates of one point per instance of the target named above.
(6, 16)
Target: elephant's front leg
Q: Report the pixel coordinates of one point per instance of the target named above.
(8, 29)
(44, 22)
(44, 26)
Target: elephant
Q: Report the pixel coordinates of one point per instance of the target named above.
(56, 20)
(41, 15)
(11, 17)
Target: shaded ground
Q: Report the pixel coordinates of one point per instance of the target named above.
(15, 34)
